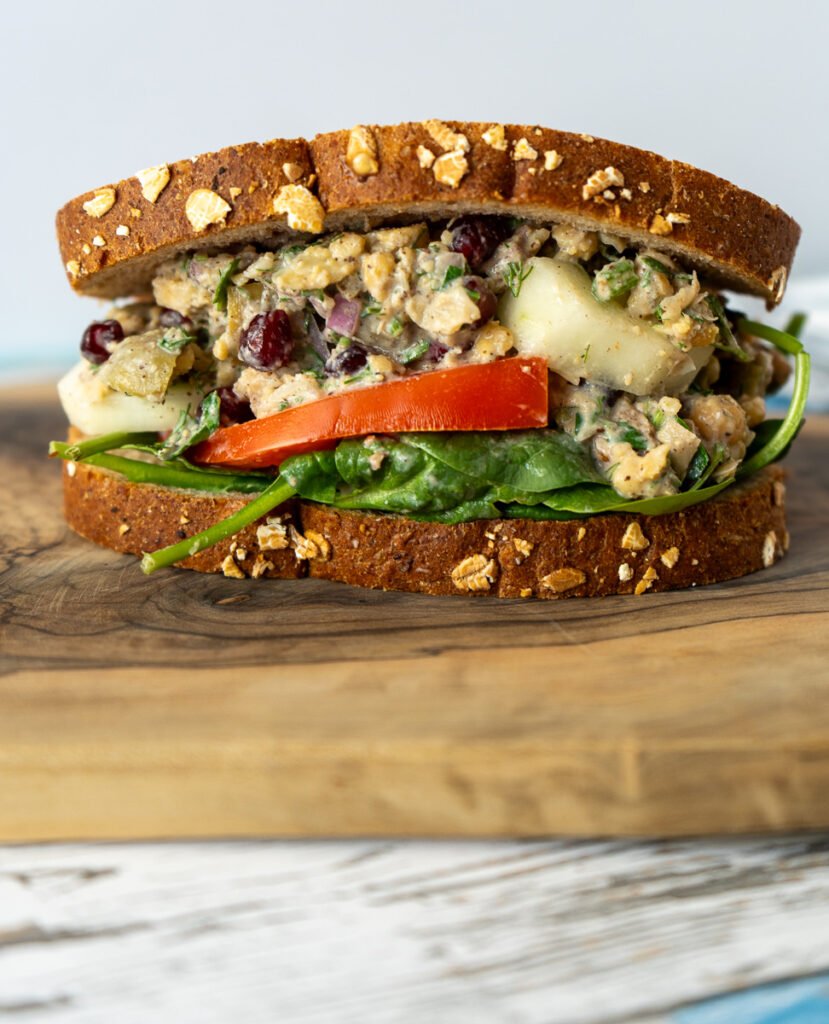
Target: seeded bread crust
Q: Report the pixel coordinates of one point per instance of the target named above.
(737, 533)
(736, 238)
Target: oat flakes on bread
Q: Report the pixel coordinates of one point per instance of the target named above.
(444, 357)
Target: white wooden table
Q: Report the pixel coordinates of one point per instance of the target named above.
(509, 932)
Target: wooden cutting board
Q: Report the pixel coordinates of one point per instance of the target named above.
(188, 705)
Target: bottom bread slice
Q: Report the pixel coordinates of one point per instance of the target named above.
(739, 532)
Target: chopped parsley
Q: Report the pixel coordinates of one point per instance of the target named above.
(220, 294)
(395, 327)
(635, 438)
(452, 274)
(408, 355)
(516, 274)
(614, 280)
(175, 339)
(727, 340)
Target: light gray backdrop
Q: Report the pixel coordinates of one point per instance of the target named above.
(93, 91)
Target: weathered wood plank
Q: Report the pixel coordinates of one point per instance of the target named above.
(519, 933)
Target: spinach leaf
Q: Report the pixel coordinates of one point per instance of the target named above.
(191, 429)
(528, 460)
(399, 477)
(178, 473)
(592, 500)
(313, 475)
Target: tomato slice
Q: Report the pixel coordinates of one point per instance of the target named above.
(508, 394)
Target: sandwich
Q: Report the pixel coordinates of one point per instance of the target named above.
(441, 357)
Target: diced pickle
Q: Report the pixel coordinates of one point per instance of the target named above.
(138, 366)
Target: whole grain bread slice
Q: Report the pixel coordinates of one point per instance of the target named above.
(113, 238)
(739, 532)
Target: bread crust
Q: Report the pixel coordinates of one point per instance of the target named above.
(739, 532)
(738, 239)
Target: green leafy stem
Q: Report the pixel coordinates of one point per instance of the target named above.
(788, 342)
(274, 494)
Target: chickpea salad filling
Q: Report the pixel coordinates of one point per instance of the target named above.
(472, 368)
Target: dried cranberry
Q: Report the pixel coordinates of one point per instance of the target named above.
(476, 238)
(232, 408)
(96, 338)
(436, 352)
(172, 318)
(349, 360)
(267, 342)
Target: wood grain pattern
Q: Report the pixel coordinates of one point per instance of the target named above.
(566, 932)
(188, 705)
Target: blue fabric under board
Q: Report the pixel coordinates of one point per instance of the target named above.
(804, 1001)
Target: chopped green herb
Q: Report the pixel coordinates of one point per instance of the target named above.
(362, 375)
(316, 293)
(292, 250)
(395, 327)
(370, 309)
(657, 266)
(415, 351)
(657, 418)
(697, 466)
(727, 340)
(475, 296)
(175, 339)
(614, 280)
(585, 354)
(452, 274)
(635, 438)
(516, 274)
(220, 294)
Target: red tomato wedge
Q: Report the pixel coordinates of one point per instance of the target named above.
(509, 394)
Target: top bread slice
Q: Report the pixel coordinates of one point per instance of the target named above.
(113, 238)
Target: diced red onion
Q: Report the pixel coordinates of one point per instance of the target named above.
(344, 317)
